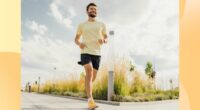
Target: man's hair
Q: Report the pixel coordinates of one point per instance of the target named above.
(91, 4)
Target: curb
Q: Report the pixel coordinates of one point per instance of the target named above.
(83, 99)
(114, 103)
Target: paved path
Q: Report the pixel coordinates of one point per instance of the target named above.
(32, 101)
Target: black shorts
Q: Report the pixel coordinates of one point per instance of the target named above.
(87, 58)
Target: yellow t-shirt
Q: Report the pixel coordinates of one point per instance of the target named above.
(91, 31)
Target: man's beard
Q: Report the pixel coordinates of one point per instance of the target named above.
(92, 15)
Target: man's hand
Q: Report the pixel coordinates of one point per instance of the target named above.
(101, 41)
(82, 45)
(105, 41)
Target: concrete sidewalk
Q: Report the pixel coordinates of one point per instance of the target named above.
(32, 101)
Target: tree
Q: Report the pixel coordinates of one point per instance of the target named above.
(132, 67)
(149, 69)
(153, 74)
(150, 72)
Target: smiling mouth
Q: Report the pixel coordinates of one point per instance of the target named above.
(93, 12)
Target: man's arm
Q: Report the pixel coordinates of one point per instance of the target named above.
(77, 41)
(104, 34)
(77, 38)
(105, 38)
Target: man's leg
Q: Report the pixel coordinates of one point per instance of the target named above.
(94, 74)
(95, 64)
(88, 79)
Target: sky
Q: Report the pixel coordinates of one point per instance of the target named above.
(145, 30)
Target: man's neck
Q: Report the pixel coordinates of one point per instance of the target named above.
(91, 19)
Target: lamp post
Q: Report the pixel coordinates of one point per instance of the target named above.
(111, 67)
(38, 84)
(55, 68)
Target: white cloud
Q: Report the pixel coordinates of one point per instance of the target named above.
(35, 27)
(62, 16)
(40, 54)
(153, 36)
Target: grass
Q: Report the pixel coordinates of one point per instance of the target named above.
(72, 84)
(121, 86)
(138, 89)
(100, 85)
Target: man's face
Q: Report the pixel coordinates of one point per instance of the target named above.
(92, 11)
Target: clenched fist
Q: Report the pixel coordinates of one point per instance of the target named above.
(82, 45)
(101, 41)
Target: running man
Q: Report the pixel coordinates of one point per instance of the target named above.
(94, 36)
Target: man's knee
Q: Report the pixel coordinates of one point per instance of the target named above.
(89, 70)
(89, 73)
